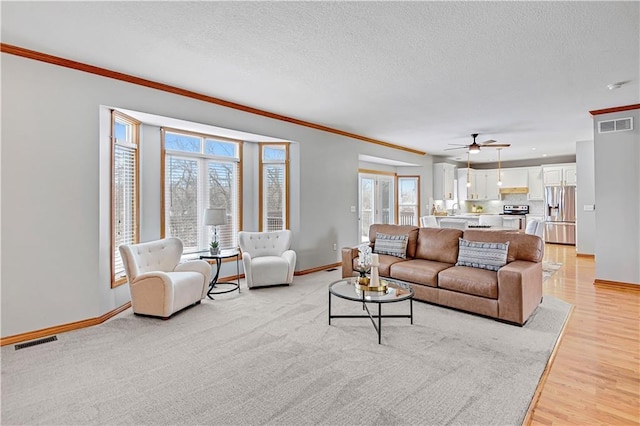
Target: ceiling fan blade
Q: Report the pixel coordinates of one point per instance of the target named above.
(488, 142)
(460, 147)
(502, 145)
(458, 144)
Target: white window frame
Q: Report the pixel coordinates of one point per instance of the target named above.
(267, 223)
(129, 200)
(403, 217)
(227, 234)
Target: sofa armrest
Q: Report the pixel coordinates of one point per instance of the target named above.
(519, 290)
(348, 254)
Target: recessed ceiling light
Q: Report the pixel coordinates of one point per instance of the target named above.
(533, 149)
(544, 155)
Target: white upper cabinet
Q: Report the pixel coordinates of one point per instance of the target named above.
(443, 181)
(556, 175)
(536, 185)
(570, 175)
(483, 185)
(514, 178)
(487, 184)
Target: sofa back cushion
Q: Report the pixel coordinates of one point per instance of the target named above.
(409, 230)
(438, 244)
(521, 246)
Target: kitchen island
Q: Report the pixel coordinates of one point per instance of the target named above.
(508, 222)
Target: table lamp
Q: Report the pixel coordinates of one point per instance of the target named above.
(214, 217)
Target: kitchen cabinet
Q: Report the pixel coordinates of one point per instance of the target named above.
(483, 185)
(570, 177)
(462, 185)
(514, 178)
(557, 175)
(443, 181)
(536, 185)
(467, 192)
(487, 185)
(511, 222)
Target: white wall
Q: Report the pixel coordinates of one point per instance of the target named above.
(55, 203)
(617, 195)
(585, 196)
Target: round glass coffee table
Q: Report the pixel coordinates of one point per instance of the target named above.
(396, 291)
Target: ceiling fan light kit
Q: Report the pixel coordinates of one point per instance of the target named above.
(474, 148)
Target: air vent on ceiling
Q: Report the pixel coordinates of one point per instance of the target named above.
(619, 125)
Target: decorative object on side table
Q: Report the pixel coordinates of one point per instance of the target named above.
(214, 217)
(214, 248)
(364, 263)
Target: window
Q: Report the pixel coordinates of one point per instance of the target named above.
(124, 190)
(408, 200)
(200, 171)
(376, 199)
(274, 186)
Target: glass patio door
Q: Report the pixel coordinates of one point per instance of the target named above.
(377, 201)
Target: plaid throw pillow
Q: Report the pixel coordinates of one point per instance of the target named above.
(393, 245)
(491, 256)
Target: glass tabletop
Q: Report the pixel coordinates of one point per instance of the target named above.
(223, 254)
(396, 291)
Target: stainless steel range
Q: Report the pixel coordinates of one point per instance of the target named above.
(520, 210)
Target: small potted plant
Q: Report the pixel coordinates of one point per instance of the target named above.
(214, 247)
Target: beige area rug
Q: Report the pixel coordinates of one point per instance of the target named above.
(268, 356)
(549, 268)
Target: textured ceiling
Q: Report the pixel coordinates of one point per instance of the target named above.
(417, 74)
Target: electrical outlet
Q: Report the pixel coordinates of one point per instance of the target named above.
(335, 247)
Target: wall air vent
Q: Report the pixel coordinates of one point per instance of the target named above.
(619, 125)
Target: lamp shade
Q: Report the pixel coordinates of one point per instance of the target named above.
(215, 216)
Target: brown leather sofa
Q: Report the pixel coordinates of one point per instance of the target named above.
(511, 294)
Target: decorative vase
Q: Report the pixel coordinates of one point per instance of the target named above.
(363, 279)
(375, 278)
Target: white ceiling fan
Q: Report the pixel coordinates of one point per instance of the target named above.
(474, 148)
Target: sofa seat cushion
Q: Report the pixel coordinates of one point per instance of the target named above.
(419, 271)
(465, 279)
(385, 264)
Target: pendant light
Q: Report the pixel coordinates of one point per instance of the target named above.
(468, 171)
(499, 172)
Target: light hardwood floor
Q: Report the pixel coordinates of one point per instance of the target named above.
(595, 378)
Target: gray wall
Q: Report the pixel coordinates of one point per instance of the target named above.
(617, 194)
(55, 188)
(585, 196)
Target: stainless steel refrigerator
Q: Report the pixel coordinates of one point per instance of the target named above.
(560, 214)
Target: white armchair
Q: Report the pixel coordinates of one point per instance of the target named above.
(159, 284)
(535, 227)
(266, 257)
(429, 221)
